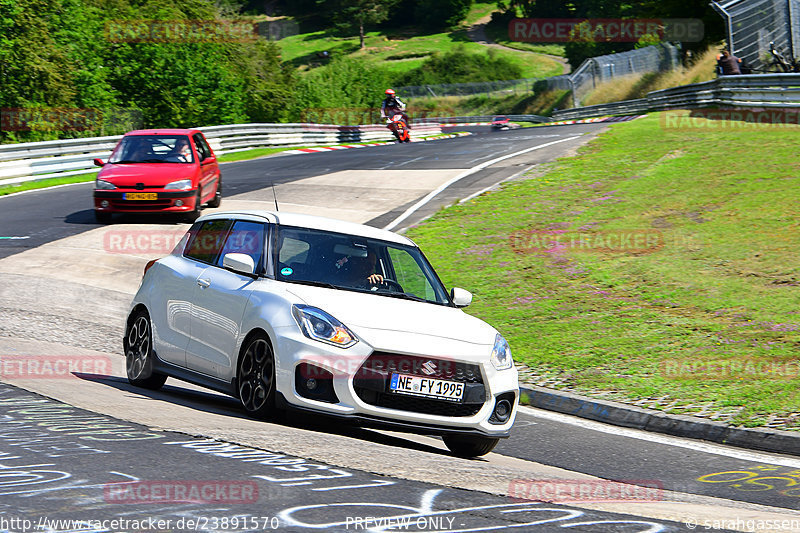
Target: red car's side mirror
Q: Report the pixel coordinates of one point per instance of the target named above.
(98, 162)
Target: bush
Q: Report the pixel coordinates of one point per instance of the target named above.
(346, 83)
(57, 54)
(460, 66)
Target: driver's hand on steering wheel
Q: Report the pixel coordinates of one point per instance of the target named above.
(375, 279)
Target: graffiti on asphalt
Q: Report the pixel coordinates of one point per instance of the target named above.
(784, 480)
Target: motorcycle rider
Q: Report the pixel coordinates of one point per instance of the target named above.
(392, 105)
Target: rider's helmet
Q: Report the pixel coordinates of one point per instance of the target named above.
(389, 92)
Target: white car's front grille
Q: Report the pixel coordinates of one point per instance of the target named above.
(371, 384)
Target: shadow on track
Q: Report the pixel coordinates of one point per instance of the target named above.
(220, 404)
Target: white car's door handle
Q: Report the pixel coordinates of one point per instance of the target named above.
(204, 283)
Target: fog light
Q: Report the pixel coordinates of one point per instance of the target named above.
(104, 203)
(178, 203)
(311, 384)
(502, 410)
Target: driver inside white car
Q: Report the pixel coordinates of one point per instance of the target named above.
(361, 270)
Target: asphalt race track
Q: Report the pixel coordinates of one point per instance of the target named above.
(88, 452)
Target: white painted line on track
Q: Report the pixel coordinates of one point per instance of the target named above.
(707, 447)
(408, 212)
(14, 238)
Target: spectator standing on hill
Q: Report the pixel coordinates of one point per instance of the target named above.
(728, 63)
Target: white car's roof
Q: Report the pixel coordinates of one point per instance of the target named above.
(315, 222)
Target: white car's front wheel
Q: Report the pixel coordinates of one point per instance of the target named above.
(256, 377)
(469, 445)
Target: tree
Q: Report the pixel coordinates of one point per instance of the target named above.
(442, 13)
(357, 13)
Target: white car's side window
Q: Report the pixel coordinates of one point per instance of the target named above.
(409, 274)
(206, 243)
(245, 237)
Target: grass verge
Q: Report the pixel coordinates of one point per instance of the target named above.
(703, 318)
(43, 184)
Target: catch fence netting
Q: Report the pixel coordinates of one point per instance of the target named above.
(753, 24)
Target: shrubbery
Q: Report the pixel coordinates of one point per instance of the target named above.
(460, 66)
(57, 54)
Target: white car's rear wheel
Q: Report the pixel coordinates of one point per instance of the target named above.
(139, 354)
(256, 377)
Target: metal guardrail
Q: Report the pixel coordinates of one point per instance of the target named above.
(41, 160)
(31, 161)
(749, 90)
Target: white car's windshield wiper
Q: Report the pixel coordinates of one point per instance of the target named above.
(404, 296)
(312, 283)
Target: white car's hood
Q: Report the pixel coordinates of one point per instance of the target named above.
(359, 310)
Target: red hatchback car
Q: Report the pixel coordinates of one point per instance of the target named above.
(158, 171)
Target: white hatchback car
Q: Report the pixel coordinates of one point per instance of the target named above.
(293, 311)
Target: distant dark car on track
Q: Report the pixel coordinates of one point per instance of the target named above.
(500, 122)
(158, 171)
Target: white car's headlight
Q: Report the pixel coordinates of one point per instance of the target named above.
(181, 185)
(318, 325)
(104, 185)
(501, 354)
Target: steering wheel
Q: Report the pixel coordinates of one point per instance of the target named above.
(391, 282)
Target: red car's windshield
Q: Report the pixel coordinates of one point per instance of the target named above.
(153, 149)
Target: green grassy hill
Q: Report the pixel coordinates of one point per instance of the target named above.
(402, 50)
(701, 315)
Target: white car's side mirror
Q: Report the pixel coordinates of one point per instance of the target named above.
(241, 263)
(460, 297)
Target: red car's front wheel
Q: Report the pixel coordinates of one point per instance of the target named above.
(195, 213)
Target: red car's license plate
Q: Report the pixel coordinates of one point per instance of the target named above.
(140, 196)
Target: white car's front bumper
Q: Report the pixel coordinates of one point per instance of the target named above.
(357, 385)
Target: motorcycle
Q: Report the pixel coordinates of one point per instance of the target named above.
(780, 63)
(397, 125)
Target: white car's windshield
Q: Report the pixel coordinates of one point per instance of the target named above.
(153, 149)
(356, 263)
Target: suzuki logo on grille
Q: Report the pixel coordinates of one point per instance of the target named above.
(429, 368)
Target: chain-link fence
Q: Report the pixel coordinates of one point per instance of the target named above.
(468, 89)
(753, 24)
(598, 69)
